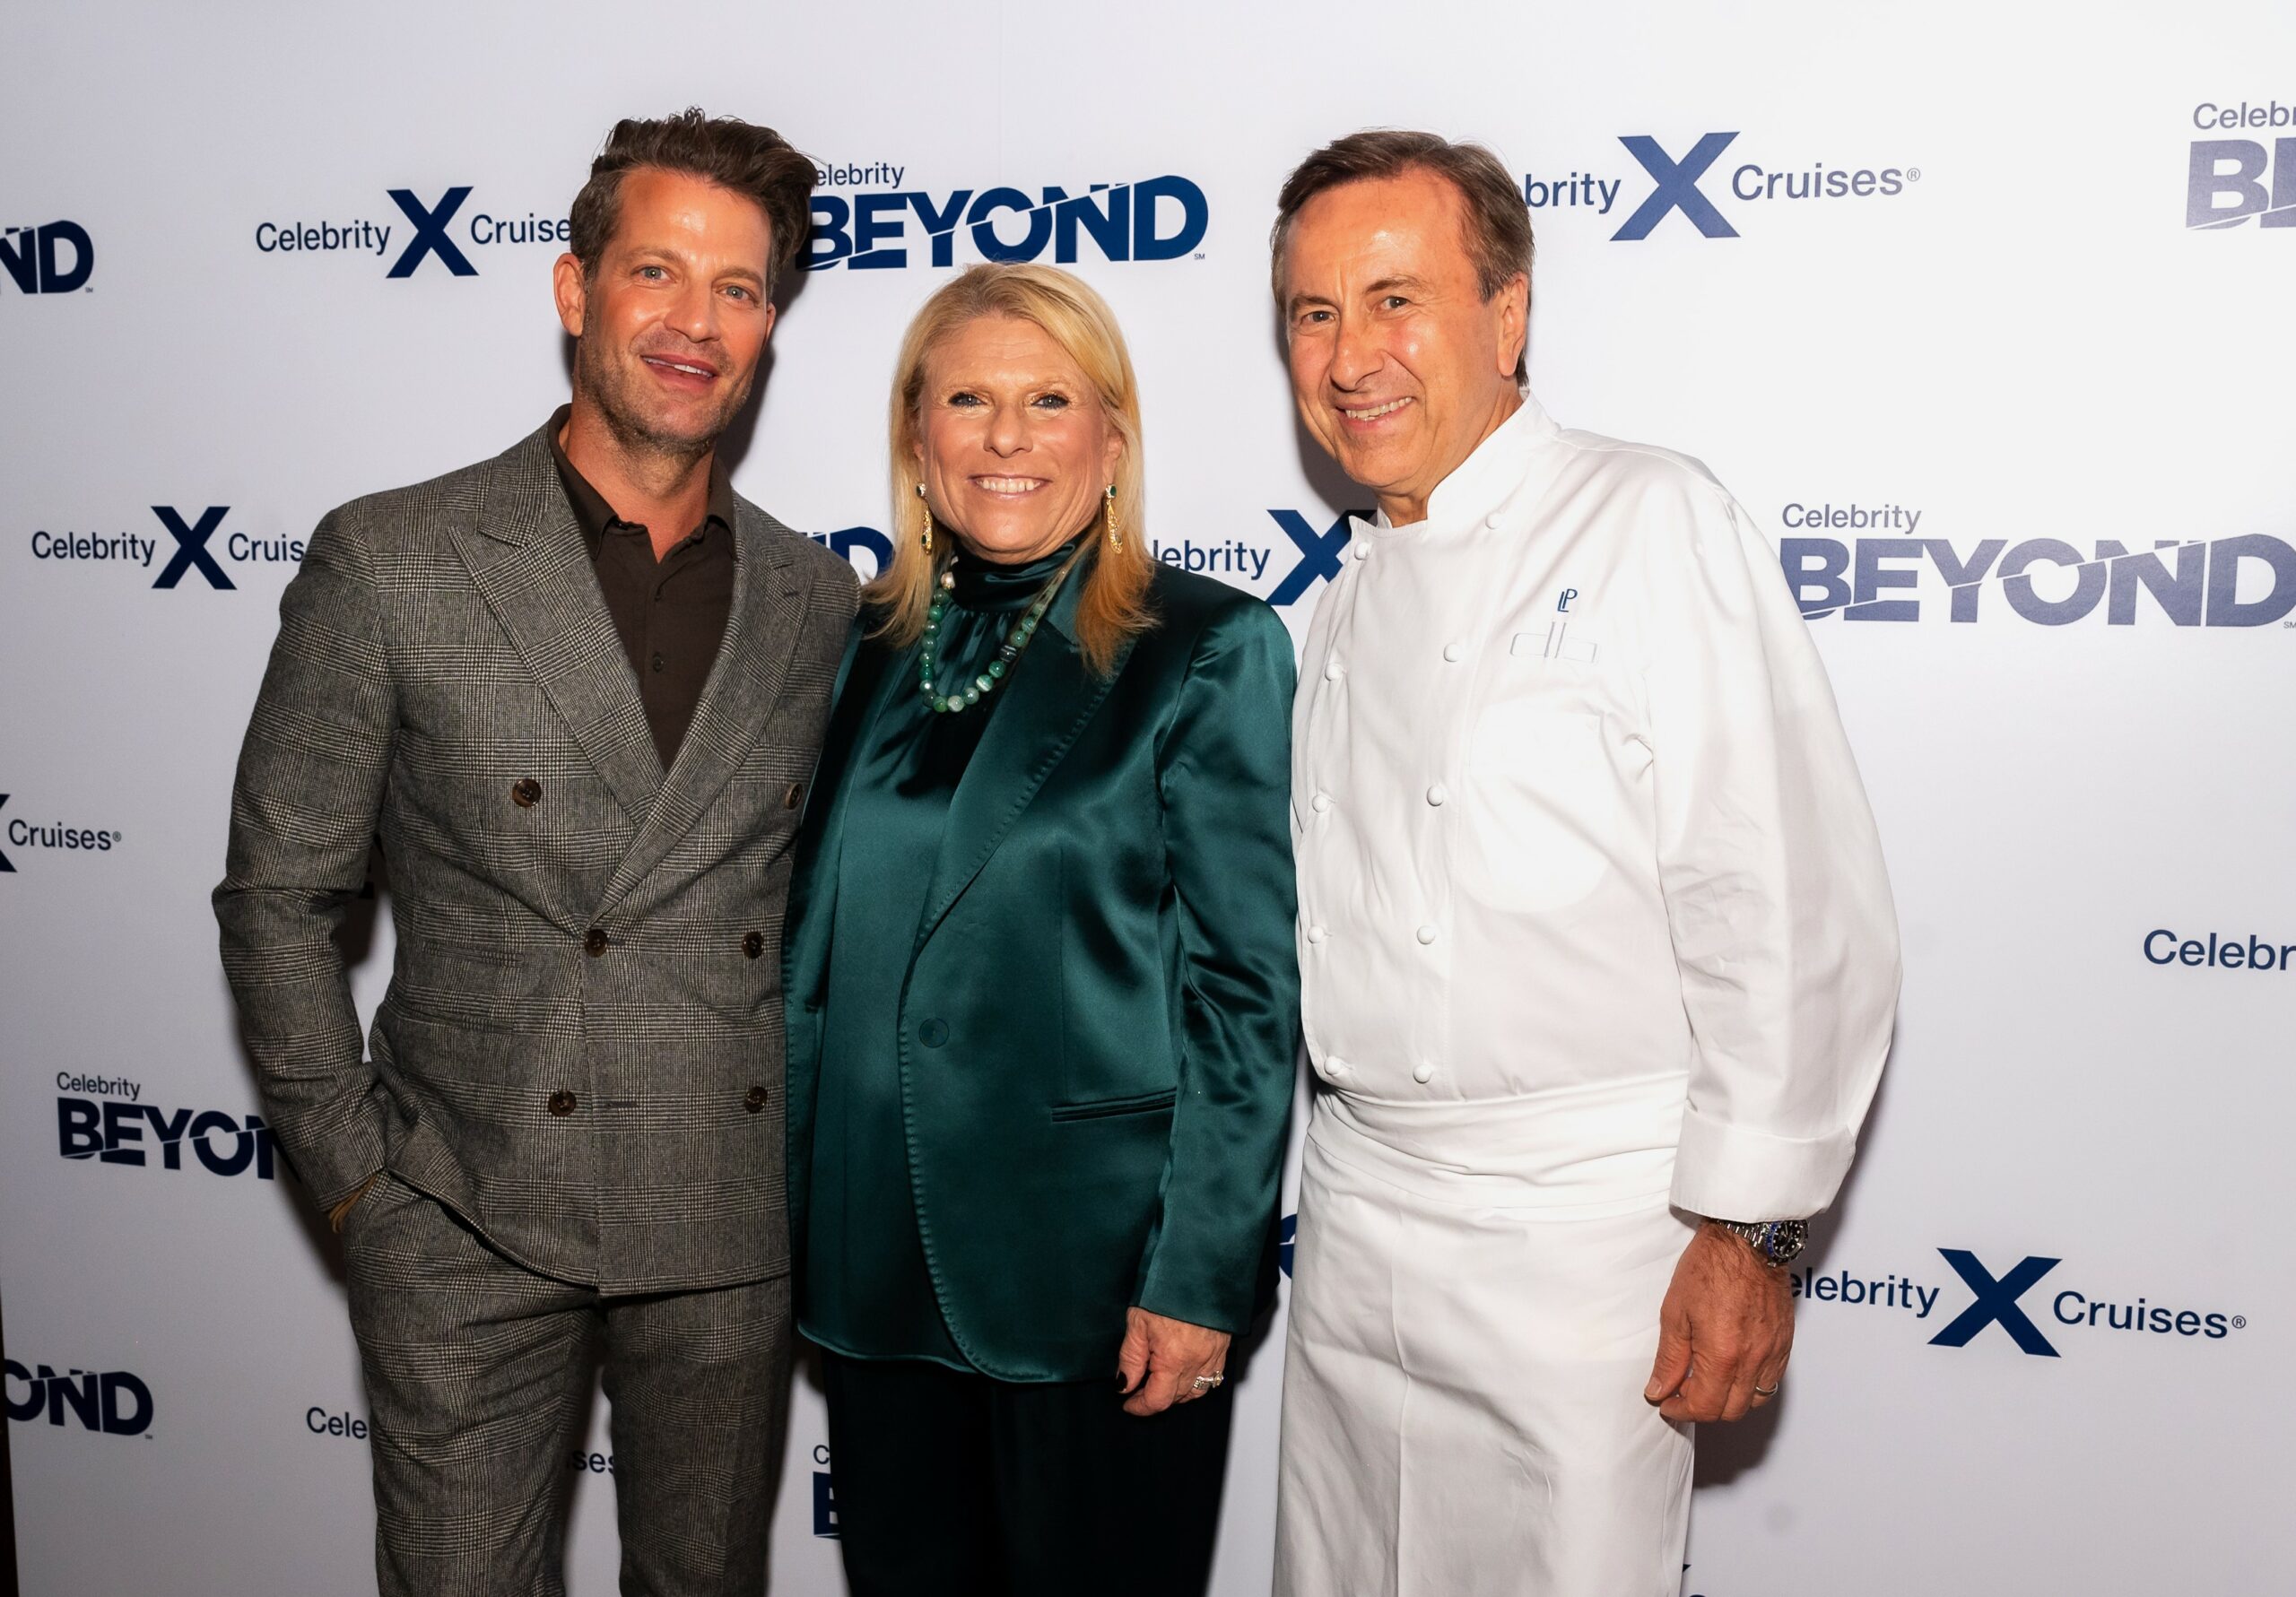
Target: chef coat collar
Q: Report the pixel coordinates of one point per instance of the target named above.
(1483, 482)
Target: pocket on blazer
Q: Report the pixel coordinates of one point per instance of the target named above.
(1138, 1103)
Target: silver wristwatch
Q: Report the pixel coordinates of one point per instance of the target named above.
(1777, 1241)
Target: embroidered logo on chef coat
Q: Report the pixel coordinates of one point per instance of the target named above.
(1562, 603)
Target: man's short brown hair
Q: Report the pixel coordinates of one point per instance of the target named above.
(753, 161)
(1496, 221)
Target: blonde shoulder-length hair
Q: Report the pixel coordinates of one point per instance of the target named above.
(1113, 607)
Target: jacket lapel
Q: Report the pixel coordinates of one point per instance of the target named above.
(1048, 698)
(812, 886)
(745, 682)
(525, 553)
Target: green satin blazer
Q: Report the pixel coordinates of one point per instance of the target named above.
(1100, 1015)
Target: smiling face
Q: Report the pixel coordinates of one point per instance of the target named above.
(670, 325)
(1014, 445)
(1399, 364)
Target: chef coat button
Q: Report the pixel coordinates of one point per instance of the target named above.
(1438, 794)
(1335, 1068)
(752, 944)
(1422, 1072)
(525, 792)
(1320, 803)
(1358, 549)
(1334, 671)
(562, 1103)
(1426, 934)
(754, 1101)
(1452, 652)
(1316, 934)
(933, 1033)
(1491, 521)
(594, 941)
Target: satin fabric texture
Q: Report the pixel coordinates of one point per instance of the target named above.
(1098, 1008)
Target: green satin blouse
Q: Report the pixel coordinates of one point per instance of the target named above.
(869, 1294)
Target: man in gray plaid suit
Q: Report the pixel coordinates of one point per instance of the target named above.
(575, 691)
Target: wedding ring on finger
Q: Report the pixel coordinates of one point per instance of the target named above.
(1768, 1390)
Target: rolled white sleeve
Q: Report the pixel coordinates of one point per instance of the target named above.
(1776, 897)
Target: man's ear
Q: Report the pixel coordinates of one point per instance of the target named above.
(1513, 305)
(568, 288)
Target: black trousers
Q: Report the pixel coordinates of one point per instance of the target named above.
(954, 1485)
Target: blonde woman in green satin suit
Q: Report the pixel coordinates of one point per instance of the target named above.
(1042, 987)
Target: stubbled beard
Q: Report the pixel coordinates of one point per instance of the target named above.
(610, 388)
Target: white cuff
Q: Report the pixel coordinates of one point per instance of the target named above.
(1731, 1172)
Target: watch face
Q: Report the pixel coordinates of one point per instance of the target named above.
(1787, 1240)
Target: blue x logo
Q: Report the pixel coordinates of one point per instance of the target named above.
(1677, 187)
(1997, 1302)
(191, 547)
(1319, 553)
(431, 233)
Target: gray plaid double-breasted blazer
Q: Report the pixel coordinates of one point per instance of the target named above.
(580, 1050)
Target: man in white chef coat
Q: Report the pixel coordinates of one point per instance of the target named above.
(1599, 963)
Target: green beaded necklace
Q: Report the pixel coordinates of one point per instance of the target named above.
(1008, 652)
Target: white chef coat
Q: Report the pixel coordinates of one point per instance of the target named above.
(1574, 807)
(1592, 929)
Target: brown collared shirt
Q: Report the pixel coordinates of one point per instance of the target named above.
(671, 612)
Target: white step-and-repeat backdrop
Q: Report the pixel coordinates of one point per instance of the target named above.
(1989, 311)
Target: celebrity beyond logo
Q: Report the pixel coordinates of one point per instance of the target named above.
(112, 1402)
(2246, 581)
(417, 231)
(183, 545)
(1694, 183)
(117, 1127)
(56, 258)
(1999, 1301)
(2232, 181)
(1158, 219)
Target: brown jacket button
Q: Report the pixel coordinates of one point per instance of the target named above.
(562, 1103)
(753, 945)
(594, 941)
(793, 795)
(525, 792)
(755, 1100)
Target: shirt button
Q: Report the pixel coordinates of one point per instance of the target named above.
(1334, 671)
(1422, 1073)
(657, 659)
(755, 1099)
(933, 1033)
(525, 792)
(1491, 521)
(1316, 934)
(1438, 794)
(1426, 934)
(1335, 1070)
(1320, 803)
(562, 1103)
(753, 945)
(594, 941)
(1453, 651)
